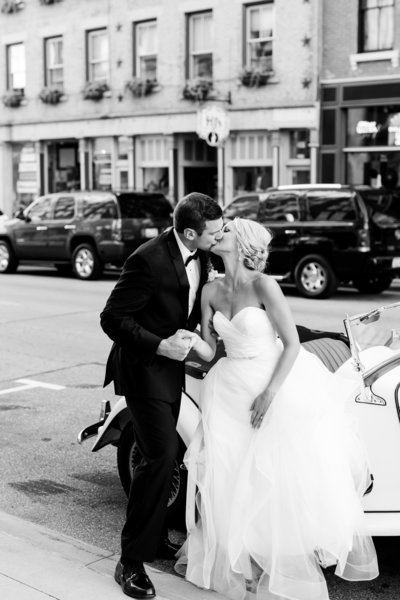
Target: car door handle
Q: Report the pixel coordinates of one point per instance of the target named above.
(290, 231)
(41, 228)
(69, 226)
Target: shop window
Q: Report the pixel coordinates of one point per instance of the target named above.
(259, 30)
(40, 210)
(102, 152)
(97, 55)
(376, 25)
(64, 208)
(300, 176)
(123, 147)
(328, 168)
(328, 126)
(251, 179)
(145, 50)
(200, 45)
(54, 67)
(280, 207)
(300, 143)
(16, 73)
(331, 206)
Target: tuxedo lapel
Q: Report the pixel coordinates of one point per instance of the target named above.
(180, 270)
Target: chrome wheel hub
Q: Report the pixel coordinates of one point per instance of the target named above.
(313, 277)
(4, 258)
(84, 263)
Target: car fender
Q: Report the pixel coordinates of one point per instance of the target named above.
(118, 418)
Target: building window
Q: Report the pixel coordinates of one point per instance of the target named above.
(376, 25)
(97, 55)
(300, 143)
(54, 69)
(259, 36)
(16, 76)
(200, 45)
(146, 50)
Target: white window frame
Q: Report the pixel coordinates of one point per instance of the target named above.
(249, 41)
(193, 54)
(379, 8)
(93, 61)
(51, 66)
(13, 71)
(140, 53)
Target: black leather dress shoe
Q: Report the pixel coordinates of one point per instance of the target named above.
(167, 550)
(134, 581)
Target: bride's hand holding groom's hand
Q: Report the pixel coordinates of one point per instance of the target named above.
(177, 345)
(260, 406)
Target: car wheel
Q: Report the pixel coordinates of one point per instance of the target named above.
(373, 284)
(314, 277)
(128, 456)
(86, 263)
(8, 260)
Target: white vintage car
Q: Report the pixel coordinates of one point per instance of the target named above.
(370, 351)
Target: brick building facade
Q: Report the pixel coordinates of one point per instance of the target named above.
(153, 64)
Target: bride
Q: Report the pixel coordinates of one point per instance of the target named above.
(276, 469)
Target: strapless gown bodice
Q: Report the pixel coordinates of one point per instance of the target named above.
(247, 334)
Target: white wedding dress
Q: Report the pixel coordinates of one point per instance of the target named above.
(266, 507)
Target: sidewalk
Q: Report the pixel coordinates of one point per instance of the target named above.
(37, 563)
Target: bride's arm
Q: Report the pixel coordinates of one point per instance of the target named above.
(271, 296)
(206, 345)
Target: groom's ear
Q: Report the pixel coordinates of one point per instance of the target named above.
(189, 234)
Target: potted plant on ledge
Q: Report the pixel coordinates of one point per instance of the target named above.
(12, 6)
(13, 98)
(197, 89)
(49, 1)
(254, 77)
(50, 95)
(95, 90)
(141, 87)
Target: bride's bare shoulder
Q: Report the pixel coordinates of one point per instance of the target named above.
(211, 287)
(266, 284)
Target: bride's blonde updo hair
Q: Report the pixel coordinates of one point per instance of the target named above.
(253, 242)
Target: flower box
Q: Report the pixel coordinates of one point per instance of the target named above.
(50, 95)
(254, 78)
(141, 87)
(12, 6)
(13, 99)
(95, 90)
(197, 89)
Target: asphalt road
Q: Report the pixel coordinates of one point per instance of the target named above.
(50, 336)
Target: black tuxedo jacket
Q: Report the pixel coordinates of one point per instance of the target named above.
(148, 304)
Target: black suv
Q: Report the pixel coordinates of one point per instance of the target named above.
(82, 230)
(325, 234)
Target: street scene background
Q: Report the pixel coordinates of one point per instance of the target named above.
(51, 338)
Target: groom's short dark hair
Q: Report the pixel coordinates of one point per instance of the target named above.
(194, 210)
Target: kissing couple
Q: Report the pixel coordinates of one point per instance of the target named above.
(276, 469)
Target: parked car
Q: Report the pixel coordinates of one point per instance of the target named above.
(370, 352)
(328, 234)
(82, 230)
(114, 426)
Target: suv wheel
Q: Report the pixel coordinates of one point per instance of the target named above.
(373, 284)
(85, 262)
(8, 260)
(314, 277)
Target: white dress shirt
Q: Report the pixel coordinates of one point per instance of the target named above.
(192, 272)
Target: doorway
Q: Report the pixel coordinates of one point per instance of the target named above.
(63, 169)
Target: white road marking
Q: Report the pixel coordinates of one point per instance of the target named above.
(29, 384)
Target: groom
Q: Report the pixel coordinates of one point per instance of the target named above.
(156, 298)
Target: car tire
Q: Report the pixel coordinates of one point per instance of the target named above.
(85, 262)
(8, 260)
(373, 284)
(128, 456)
(314, 277)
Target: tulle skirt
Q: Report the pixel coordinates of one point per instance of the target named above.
(266, 508)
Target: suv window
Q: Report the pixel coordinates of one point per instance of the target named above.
(383, 206)
(141, 206)
(331, 206)
(40, 210)
(64, 208)
(96, 209)
(280, 207)
(245, 207)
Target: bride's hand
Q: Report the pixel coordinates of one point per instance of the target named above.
(259, 407)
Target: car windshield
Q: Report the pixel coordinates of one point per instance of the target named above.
(383, 206)
(141, 206)
(377, 329)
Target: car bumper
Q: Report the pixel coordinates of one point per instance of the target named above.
(387, 264)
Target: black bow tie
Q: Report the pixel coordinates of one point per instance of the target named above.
(193, 256)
